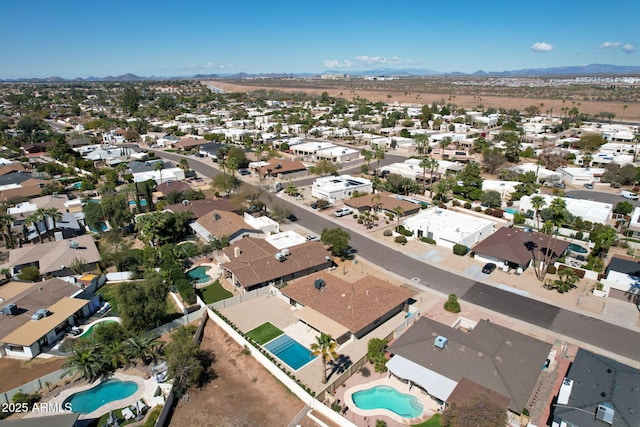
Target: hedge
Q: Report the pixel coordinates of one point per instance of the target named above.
(428, 240)
(400, 229)
(401, 239)
(460, 249)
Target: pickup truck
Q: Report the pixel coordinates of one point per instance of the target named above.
(343, 212)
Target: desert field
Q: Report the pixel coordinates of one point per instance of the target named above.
(391, 94)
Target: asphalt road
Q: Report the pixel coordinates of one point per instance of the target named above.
(599, 196)
(613, 338)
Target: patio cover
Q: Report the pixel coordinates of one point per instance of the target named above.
(320, 322)
(435, 384)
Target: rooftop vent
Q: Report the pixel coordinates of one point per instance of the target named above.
(605, 413)
(73, 244)
(43, 312)
(440, 342)
(216, 216)
(285, 252)
(280, 257)
(10, 309)
(319, 284)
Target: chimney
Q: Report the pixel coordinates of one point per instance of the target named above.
(236, 252)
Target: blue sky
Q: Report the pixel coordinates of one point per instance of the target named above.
(69, 38)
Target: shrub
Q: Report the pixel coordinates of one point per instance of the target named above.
(355, 216)
(401, 239)
(30, 273)
(455, 202)
(153, 417)
(460, 249)
(488, 211)
(510, 203)
(400, 229)
(579, 235)
(477, 209)
(519, 218)
(452, 305)
(552, 269)
(387, 233)
(360, 221)
(427, 240)
(467, 205)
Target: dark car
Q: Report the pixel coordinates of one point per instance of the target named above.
(488, 268)
(589, 186)
(244, 172)
(315, 205)
(292, 218)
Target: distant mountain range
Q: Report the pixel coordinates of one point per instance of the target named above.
(582, 70)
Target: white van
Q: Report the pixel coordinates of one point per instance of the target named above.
(629, 195)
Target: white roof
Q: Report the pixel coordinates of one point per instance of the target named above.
(436, 385)
(588, 210)
(335, 183)
(451, 226)
(313, 146)
(286, 239)
(22, 208)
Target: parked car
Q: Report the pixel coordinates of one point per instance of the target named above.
(343, 212)
(313, 237)
(560, 185)
(488, 268)
(315, 205)
(292, 218)
(588, 185)
(629, 195)
(244, 172)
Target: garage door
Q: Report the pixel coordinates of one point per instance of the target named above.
(624, 296)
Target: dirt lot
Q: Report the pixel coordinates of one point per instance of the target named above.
(242, 394)
(630, 113)
(14, 373)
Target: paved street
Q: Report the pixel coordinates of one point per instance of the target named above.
(421, 275)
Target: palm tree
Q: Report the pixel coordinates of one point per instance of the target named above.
(325, 347)
(41, 214)
(399, 211)
(378, 155)
(120, 168)
(558, 210)
(144, 347)
(367, 155)
(184, 164)
(537, 203)
(55, 215)
(421, 142)
(86, 361)
(34, 219)
(158, 166)
(431, 164)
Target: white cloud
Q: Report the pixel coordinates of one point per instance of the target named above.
(334, 63)
(377, 60)
(628, 48)
(212, 65)
(541, 47)
(610, 45)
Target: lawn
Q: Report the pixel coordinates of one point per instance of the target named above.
(431, 422)
(264, 333)
(214, 293)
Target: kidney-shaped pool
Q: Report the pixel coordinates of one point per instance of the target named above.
(107, 391)
(385, 397)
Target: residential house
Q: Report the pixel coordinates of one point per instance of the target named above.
(333, 188)
(254, 263)
(281, 168)
(597, 392)
(186, 144)
(204, 206)
(144, 171)
(172, 186)
(10, 168)
(36, 315)
(517, 247)
(20, 185)
(622, 279)
(383, 201)
(218, 223)
(588, 210)
(54, 258)
(342, 309)
(580, 176)
(211, 149)
(438, 358)
(449, 228)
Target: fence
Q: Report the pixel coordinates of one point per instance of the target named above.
(408, 321)
(167, 409)
(288, 382)
(32, 386)
(219, 305)
(180, 321)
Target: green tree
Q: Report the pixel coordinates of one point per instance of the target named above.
(452, 305)
(6, 222)
(34, 220)
(130, 99)
(567, 279)
(30, 273)
(325, 347)
(376, 353)
(493, 159)
(431, 164)
(336, 238)
(93, 215)
(143, 306)
(491, 199)
(143, 347)
(623, 208)
(378, 156)
(590, 142)
(184, 359)
(86, 361)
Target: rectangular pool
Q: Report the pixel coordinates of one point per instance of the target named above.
(290, 351)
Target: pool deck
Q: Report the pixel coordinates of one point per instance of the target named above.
(146, 390)
(430, 406)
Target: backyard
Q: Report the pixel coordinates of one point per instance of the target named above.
(242, 392)
(214, 293)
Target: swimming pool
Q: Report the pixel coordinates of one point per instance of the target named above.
(107, 391)
(290, 351)
(385, 397)
(577, 248)
(143, 202)
(199, 274)
(512, 211)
